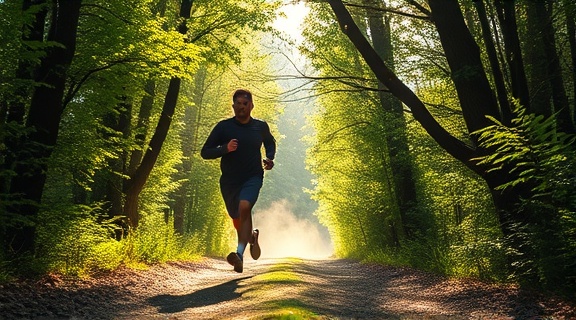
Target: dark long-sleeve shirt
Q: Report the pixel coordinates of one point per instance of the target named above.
(246, 161)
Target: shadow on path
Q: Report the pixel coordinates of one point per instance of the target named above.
(369, 291)
(204, 297)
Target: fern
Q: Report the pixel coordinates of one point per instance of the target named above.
(542, 158)
(533, 148)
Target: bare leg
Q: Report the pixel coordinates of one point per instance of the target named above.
(245, 229)
(244, 232)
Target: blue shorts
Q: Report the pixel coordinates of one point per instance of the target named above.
(233, 193)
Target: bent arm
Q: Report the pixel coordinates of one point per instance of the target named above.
(213, 148)
(269, 143)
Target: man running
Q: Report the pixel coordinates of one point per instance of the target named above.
(238, 141)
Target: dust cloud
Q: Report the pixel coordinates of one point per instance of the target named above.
(283, 235)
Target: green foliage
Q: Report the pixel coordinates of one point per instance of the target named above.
(459, 224)
(539, 154)
(14, 49)
(223, 27)
(155, 197)
(76, 240)
(351, 194)
(120, 47)
(542, 160)
(79, 240)
(156, 242)
(477, 249)
(454, 229)
(5, 275)
(348, 151)
(126, 37)
(206, 217)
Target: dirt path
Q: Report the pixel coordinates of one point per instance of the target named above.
(330, 289)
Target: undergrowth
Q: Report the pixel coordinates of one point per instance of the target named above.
(78, 241)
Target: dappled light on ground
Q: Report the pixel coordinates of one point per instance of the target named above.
(274, 289)
(283, 234)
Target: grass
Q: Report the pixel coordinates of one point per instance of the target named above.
(290, 314)
(282, 278)
(287, 309)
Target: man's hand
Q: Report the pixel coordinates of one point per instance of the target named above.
(232, 145)
(268, 164)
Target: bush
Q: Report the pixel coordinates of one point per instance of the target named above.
(155, 241)
(77, 239)
(543, 160)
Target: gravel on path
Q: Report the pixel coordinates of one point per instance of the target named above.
(330, 288)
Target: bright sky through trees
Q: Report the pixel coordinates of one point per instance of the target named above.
(288, 229)
(290, 24)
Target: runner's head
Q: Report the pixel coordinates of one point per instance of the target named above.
(242, 93)
(242, 105)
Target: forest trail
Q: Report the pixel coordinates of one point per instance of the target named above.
(271, 288)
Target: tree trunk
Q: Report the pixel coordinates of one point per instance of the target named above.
(134, 186)
(396, 140)
(559, 97)
(189, 136)
(13, 109)
(507, 19)
(474, 93)
(145, 111)
(120, 122)
(570, 9)
(44, 119)
(541, 93)
(507, 200)
(142, 126)
(546, 76)
(505, 110)
(34, 32)
(180, 195)
(136, 183)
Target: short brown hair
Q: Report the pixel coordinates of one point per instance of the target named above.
(242, 92)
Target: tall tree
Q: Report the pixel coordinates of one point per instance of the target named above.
(401, 164)
(43, 119)
(501, 92)
(189, 134)
(507, 17)
(460, 150)
(476, 101)
(14, 102)
(570, 11)
(547, 83)
(351, 174)
(136, 183)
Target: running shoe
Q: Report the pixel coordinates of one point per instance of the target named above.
(254, 246)
(234, 259)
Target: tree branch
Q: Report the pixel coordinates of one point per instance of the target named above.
(426, 17)
(458, 149)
